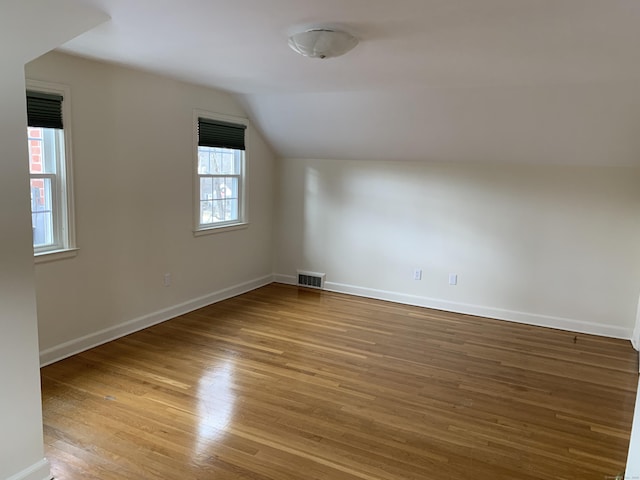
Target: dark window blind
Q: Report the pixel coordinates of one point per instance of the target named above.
(214, 133)
(44, 110)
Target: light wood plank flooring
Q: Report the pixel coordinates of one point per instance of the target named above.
(282, 383)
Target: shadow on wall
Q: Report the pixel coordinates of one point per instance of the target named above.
(554, 242)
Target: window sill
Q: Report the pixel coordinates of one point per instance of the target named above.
(224, 228)
(55, 255)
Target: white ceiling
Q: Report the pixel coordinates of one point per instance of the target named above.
(529, 81)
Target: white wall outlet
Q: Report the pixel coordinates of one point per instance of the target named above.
(417, 274)
(167, 280)
(453, 279)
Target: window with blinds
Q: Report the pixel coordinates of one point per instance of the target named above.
(220, 173)
(49, 170)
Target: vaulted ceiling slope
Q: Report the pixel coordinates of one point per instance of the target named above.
(527, 81)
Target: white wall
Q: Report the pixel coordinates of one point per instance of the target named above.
(23, 36)
(20, 411)
(554, 246)
(133, 167)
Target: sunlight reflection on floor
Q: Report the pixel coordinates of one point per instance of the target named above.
(216, 400)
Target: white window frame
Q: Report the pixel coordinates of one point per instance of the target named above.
(243, 220)
(62, 196)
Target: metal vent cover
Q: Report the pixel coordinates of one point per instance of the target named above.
(310, 279)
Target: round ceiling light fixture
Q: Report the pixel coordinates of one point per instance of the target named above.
(322, 43)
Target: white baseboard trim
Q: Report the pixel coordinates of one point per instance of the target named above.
(67, 349)
(86, 342)
(560, 323)
(38, 471)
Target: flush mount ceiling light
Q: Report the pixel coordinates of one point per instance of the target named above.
(322, 43)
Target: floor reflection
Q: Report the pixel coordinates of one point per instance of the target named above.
(215, 405)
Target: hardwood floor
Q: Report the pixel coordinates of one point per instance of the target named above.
(282, 383)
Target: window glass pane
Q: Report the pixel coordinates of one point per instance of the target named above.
(227, 193)
(232, 209)
(35, 138)
(41, 212)
(219, 161)
(52, 147)
(232, 200)
(207, 162)
(232, 186)
(216, 211)
(45, 145)
(204, 166)
(221, 190)
(216, 161)
(224, 209)
(238, 158)
(206, 188)
(206, 212)
(230, 164)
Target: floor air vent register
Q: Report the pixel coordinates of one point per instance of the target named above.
(310, 279)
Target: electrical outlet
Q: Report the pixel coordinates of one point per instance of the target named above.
(167, 280)
(417, 274)
(453, 279)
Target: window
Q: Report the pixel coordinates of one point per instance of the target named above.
(220, 173)
(49, 169)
